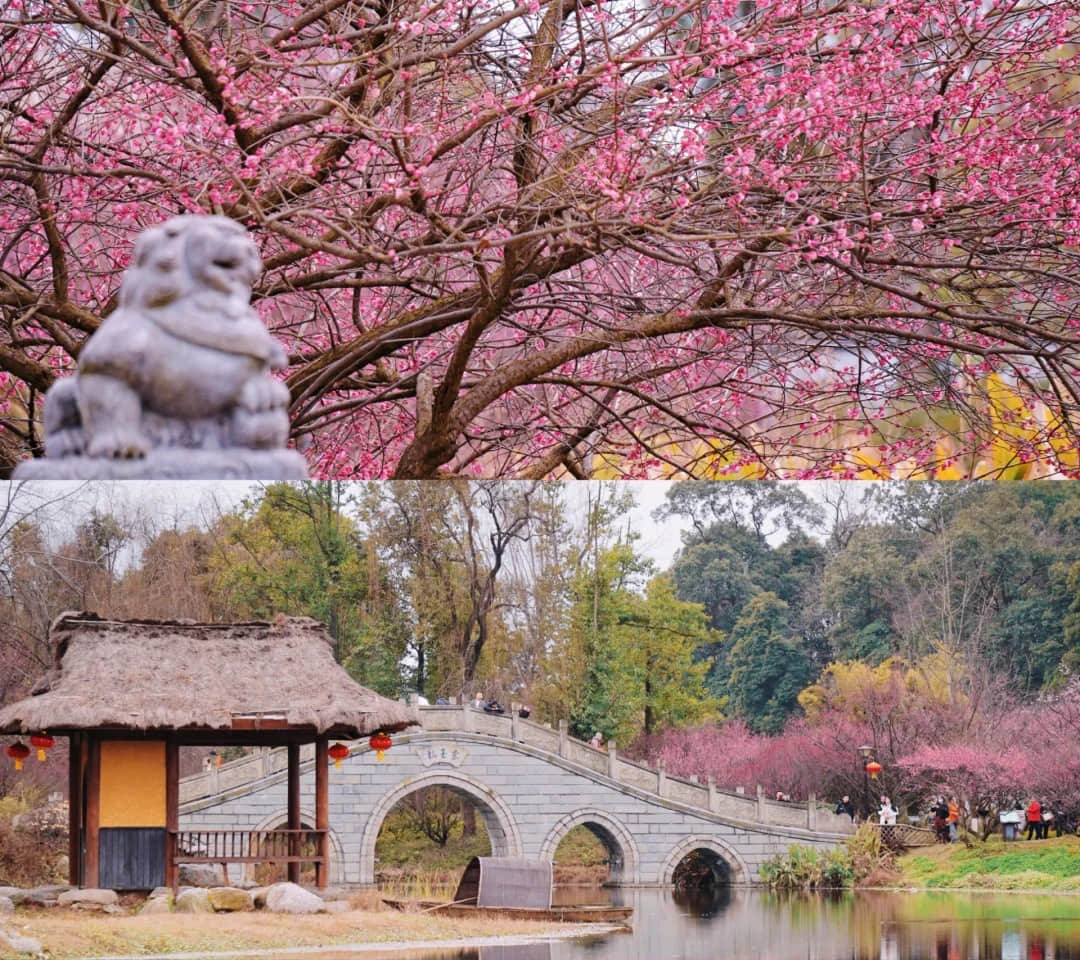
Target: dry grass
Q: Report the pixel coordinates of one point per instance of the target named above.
(67, 933)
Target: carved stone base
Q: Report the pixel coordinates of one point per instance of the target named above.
(173, 464)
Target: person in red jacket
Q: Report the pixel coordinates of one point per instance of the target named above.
(1034, 820)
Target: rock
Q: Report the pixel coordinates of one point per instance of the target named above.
(290, 898)
(258, 897)
(7, 905)
(156, 905)
(90, 896)
(194, 901)
(200, 875)
(159, 892)
(34, 899)
(52, 890)
(229, 899)
(19, 943)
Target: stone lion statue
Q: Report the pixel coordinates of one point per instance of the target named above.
(183, 361)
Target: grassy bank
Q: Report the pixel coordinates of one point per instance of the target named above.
(68, 933)
(1052, 864)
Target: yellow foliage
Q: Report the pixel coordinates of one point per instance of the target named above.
(854, 687)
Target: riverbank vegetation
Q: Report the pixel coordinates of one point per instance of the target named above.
(862, 861)
(1052, 864)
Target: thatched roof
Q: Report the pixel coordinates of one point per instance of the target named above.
(157, 675)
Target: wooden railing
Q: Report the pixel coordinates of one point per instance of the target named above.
(246, 846)
(903, 836)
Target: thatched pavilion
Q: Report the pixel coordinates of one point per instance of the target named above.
(130, 693)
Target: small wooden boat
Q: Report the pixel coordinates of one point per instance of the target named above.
(515, 888)
(569, 914)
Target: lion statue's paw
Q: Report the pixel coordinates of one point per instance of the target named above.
(263, 393)
(118, 445)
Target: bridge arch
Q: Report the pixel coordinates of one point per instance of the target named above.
(280, 819)
(623, 857)
(498, 820)
(737, 869)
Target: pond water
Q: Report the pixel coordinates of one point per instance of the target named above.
(747, 924)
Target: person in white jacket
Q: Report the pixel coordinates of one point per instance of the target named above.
(887, 813)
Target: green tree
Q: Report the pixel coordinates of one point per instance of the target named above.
(861, 587)
(768, 667)
(296, 550)
(641, 674)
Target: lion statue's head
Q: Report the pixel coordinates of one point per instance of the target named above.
(192, 276)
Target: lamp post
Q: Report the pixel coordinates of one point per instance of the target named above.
(864, 754)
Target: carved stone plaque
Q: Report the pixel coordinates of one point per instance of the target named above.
(432, 753)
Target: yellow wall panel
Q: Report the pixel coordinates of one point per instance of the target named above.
(132, 783)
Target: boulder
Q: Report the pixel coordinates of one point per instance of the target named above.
(52, 890)
(20, 944)
(290, 898)
(156, 905)
(7, 905)
(200, 875)
(90, 896)
(194, 901)
(34, 898)
(258, 897)
(229, 899)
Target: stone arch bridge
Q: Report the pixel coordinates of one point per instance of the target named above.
(531, 785)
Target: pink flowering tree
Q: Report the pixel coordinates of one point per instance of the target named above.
(579, 237)
(804, 759)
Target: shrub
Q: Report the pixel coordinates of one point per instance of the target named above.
(807, 868)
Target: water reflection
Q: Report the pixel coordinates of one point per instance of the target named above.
(738, 924)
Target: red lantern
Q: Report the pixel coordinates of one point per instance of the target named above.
(18, 752)
(43, 742)
(338, 752)
(874, 768)
(380, 743)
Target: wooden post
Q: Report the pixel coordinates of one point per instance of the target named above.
(172, 812)
(76, 769)
(322, 810)
(294, 810)
(93, 811)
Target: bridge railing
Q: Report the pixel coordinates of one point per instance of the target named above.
(605, 761)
